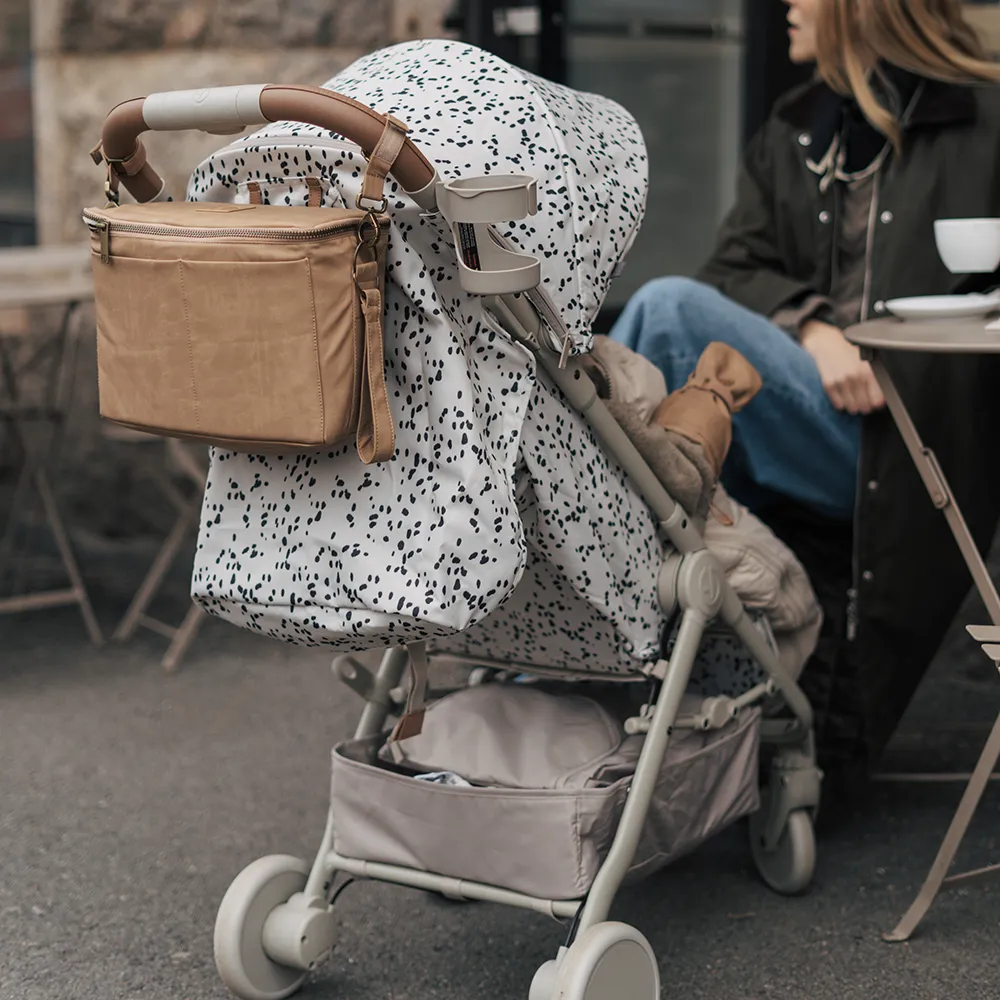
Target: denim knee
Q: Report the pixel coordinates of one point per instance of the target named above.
(672, 288)
(678, 306)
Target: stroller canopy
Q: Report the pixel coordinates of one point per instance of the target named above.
(317, 548)
(472, 113)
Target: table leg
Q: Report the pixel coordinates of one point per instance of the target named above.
(940, 492)
(952, 841)
(8, 383)
(34, 473)
(68, 558)
(58, 402)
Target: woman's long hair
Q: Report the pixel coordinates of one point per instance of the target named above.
(929, 38)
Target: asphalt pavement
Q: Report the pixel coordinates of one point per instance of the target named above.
(129, 800)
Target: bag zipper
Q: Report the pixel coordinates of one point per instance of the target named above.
(100, 226)
(103, 228)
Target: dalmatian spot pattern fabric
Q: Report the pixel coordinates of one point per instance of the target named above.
(493, 470)
(317, 548)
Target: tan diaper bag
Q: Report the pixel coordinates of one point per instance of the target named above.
(254, 327)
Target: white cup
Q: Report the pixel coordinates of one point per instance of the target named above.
(968, 246)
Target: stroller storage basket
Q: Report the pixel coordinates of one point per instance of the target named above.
(543, 842)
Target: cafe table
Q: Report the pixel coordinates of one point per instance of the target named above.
(32, 277)
(876, 338)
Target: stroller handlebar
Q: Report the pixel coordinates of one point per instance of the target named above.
(219, 110)
(228, 110)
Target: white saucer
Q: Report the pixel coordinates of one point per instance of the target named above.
(944, 306)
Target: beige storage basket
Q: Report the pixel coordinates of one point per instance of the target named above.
(547, 842)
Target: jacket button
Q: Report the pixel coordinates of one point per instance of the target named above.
(805, 139)
(868, 576)
(879, 306)
(886, 216)
(824, 216)
(872, 485)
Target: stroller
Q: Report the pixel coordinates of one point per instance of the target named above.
(517, 529)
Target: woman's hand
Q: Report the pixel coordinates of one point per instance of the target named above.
(849, 382)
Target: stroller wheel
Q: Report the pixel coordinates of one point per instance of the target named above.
(609, 961)
(244, 965)
(790, 867)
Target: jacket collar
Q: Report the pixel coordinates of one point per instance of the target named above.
(938, 104)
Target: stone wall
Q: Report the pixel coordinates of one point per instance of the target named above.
(91, 54)
(16, 169)
(15, 27)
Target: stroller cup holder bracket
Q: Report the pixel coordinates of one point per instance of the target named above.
(472, 205)
(488, 198)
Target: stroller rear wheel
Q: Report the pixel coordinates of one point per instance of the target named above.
(789, 868)
(240, 956)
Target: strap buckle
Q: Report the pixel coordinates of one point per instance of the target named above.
(111, 187)
(122, 160)
(377, 206)
(369, 233)
(412, 720)
(111, 181)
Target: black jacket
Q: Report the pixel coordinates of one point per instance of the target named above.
(777, 245)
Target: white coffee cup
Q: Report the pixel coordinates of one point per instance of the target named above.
(968, 246)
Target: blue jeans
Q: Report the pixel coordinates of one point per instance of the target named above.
(790, 441)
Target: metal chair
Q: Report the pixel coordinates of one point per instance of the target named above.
(184, 463)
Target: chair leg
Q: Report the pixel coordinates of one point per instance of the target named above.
(34, 473)
(24, 482)
(154, 577)
(183, 638)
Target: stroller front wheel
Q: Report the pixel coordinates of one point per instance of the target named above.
(240, 956)
(609, 961)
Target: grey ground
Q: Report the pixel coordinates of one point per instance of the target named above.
(129, 800)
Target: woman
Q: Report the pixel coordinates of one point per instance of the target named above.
(834, 215)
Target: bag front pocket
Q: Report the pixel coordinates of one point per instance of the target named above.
(212, 348)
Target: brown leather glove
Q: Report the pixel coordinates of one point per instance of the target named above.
(722, 383)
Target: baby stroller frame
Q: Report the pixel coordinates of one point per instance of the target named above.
(295, 929)
(275, 923)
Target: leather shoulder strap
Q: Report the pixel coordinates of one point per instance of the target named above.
(376, 440)
(382, 158)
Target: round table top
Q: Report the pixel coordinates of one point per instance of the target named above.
(48, 275)
(55, 292)
(942, 336)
